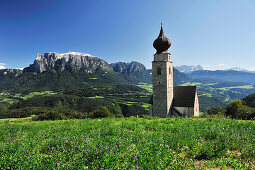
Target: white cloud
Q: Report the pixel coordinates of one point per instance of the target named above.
(214, 66)
(251, 69)
(208, 67)
(2, 66)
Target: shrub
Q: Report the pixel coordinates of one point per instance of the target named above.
(250, 100)
(60, 114)
(101, 112)
(50, 115)
(238, 109)
(133, 110)
(118, 115)
(215, 110)
(22, 112)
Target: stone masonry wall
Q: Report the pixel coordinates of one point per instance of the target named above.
(162, 84)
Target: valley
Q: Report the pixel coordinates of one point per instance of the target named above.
(73, 80)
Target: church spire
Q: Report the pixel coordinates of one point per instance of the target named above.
(161, 34)
(162, 43)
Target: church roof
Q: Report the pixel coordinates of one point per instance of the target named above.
(162, 43)
(184, 96)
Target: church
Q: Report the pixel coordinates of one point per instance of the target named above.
(168, 100)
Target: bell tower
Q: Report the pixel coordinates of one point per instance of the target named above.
(162, 77)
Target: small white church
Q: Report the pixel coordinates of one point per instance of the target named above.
(168, 100)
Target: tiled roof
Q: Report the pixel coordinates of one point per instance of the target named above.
(184, 96)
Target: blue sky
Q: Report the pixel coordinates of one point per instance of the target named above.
(213, 33)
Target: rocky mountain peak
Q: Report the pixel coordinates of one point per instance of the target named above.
(38, 56)
(73, 61)
(131, 67)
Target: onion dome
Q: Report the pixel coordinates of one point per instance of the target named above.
(162, 43)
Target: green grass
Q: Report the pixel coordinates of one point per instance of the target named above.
(16, 120)
(8, 98)
(191, 84)
(237, 87)
(205, 94)
(96, 97)
(129, 103)
(30, 95)
(210, 84)
(127, 143)
(146, 86)
(227, 100)
(146, 106)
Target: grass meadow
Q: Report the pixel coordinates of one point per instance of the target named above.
(127, 143)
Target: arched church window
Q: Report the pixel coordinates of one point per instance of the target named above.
(158, 71)
(169, 70)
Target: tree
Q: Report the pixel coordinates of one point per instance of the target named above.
(101, 112)
(250, 100)
(215, 110)
(238, 109)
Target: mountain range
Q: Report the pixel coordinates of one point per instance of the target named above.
(82, 74)
(190, 68)
(225, 75)
(53, 71)
(235, 74)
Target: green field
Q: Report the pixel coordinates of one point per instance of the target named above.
(127, 143)
(96, 97)
(6, 97)
(191, 84)
(145, 86)
(237, 87)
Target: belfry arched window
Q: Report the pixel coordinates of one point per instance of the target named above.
(158, 71)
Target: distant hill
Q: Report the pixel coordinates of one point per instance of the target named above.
(225, 75)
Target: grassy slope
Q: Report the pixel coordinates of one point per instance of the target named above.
(127, 143)
(210, 94)
(219, 93)
(6, 97)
